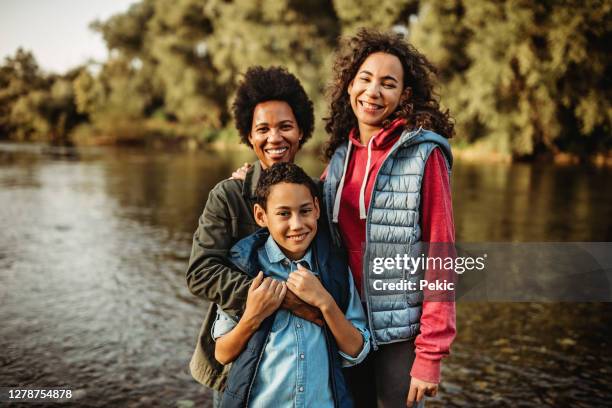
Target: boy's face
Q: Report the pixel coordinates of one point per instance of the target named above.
(291, 217)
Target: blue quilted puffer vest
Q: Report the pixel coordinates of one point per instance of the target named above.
(392, 228)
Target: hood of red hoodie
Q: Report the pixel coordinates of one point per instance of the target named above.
(384, 138)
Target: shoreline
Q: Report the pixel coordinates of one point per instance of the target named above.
(469, 154)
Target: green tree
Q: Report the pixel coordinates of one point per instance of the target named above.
(194, 51)
(380, 14)
(299, 35)
(19, 75)
(33, 105)
(520, 77)
(525, 77)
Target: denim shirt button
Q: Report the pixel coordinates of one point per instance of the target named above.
(299, 325)
(302, 356)
(301, 389)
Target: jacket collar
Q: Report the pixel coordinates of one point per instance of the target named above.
(250, 181)
(384, 138)
(244, 253)
(276, 255)
(421, 135)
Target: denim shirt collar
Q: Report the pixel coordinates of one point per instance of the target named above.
(276, 255)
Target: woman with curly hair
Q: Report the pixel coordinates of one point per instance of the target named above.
(387, 195)
(274, 117)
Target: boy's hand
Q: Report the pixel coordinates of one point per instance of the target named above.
(265, 296)
(302, 309)
(420, 389)
(308, 287)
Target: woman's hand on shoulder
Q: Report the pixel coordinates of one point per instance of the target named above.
(241, 172)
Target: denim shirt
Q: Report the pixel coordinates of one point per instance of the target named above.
(294, 369)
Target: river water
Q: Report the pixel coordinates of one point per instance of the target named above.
(94, 246)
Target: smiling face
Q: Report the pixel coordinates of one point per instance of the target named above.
(275, 135)
(376, 90)
(291, 216)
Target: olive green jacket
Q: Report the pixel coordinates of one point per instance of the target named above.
(227, 218)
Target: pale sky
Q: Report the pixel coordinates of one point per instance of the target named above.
(56, 31)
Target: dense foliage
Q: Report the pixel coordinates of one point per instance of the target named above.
(520, 77)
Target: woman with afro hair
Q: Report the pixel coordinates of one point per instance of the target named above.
(274, 117)
(387, 194)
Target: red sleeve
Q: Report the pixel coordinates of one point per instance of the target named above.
(438, 327)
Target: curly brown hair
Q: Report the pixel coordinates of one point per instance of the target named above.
(419, 103)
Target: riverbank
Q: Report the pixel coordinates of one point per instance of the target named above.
(232, 143)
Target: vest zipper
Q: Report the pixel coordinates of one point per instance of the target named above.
(366, 258)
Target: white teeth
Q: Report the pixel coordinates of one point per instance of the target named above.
(369, 105)
(277, 151)
(298, 237)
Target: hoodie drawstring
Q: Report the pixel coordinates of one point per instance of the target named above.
(362, 209)
(341, 185)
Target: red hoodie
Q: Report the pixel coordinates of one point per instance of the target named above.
(438, 318)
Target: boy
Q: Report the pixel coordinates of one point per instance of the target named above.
(279, 359)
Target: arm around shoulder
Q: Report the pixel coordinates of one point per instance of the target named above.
(209, 274)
